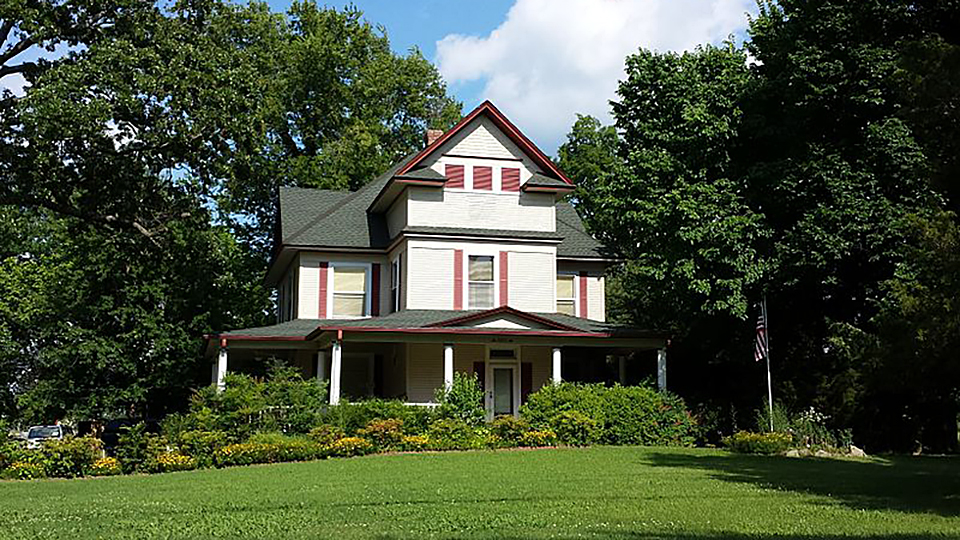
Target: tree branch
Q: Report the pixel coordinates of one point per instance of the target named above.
(5, 30)
(19, 68)
(23, 45)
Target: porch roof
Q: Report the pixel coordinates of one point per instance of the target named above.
(441, 322)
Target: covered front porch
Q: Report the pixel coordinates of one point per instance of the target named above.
(511, 353)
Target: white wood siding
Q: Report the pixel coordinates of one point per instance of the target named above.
(434, 207)
(596, 298)
(308, 297)
(482, 139)
(397, 215)
(541, 358)
(531, 281)
(430, 278)
(424, 371)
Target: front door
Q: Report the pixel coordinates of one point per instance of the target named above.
(503, 390)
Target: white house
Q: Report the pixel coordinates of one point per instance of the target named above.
(461, 257)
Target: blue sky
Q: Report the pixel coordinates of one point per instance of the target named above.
(544, 61)
(541, 62)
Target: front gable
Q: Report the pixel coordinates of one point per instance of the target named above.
(503, 317)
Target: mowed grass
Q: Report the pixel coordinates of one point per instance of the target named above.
(604, 492)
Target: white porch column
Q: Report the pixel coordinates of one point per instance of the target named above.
(222, 366)
(335, 361)
(662, 369)
(557, 377)
(448, 365)
(321, 366)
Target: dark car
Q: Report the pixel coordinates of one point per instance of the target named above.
(115, 428)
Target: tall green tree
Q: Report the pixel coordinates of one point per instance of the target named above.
(139, 172)
(803, 176)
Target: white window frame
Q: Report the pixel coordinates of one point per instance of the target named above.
(396, 282)
(496, 276)
(331, 273)
(576, 292)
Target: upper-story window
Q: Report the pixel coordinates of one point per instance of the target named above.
(480, 287)
(349, 291)
(396, 275)
(567, 294)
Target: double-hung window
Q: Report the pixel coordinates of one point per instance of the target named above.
(480, 282)
(395, 278)
(349, 291)
(567, 294)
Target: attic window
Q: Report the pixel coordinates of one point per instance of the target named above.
(481, 281)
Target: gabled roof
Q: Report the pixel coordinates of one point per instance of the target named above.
(486, 108)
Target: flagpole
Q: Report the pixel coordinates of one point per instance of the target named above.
(766, 323)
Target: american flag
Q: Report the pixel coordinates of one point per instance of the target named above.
(760, 350)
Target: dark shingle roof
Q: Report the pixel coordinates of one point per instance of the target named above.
(540, 180)
(423, 318)
(323, 218)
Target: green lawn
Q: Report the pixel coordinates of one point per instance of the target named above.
(637, 493)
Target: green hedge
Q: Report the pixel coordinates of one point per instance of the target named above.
(745, 442)
(621, 415)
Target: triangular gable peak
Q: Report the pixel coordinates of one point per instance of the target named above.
(486, 110)
(503, 317)
(483, 133)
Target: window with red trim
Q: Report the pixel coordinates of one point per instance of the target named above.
(483, 178)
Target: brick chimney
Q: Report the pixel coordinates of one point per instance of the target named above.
(432, 135)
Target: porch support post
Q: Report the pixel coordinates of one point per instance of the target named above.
(662, 369)
(321, 365)
(557, 377)
(622, 361)
(222, 365)
(448, 365)
(335, 361)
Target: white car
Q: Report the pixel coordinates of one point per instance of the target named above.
(37, 434)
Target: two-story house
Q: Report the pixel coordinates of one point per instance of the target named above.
(462, 257)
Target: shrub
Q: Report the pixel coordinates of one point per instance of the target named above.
(283, 401)
(245, 454)
(463, 401)
(137, 450)
(70, 457)
(575, 428)
(624, 415)
(383, 434)
(353, 416)
(326, 435)
(453, 434)
(23, 470)
(12, 452)
(174, 461)
(350, 446)
(545, 437)
(508, 430)
(201, 445)
(413, 443)
(105, 466)
(745, 442)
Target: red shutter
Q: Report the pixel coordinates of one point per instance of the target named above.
(526, 381)
(323, 290)
(375, 293)
(510, 179)
(583, 295)
(503, 278)
(454, 176)
(458, 279)
(483, 178)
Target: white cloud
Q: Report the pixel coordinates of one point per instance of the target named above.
(14, 83)
(551, 59)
